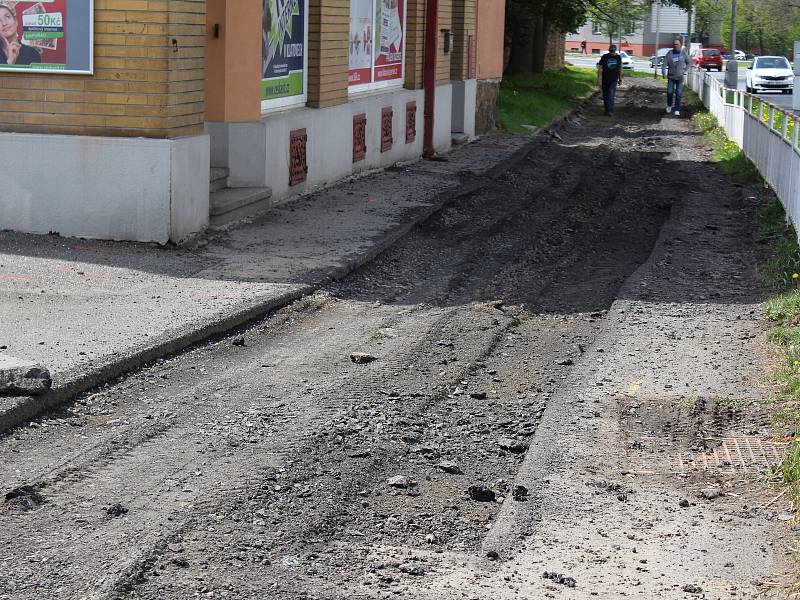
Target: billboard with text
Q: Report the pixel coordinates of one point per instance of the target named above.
(54, 36)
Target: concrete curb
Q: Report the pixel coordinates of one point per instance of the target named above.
(15, 411)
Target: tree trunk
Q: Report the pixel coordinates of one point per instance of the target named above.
(539, 44)
(521, 60)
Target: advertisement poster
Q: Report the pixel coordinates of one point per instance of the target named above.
(389, 60)
(48, 35)
(283, 49)
(361, 42)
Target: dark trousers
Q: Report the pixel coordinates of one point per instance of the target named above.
(609, 94)
(674, 90)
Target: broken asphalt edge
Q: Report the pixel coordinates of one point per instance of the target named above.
(17, 410)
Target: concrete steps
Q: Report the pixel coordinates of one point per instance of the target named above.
(231, 204)
(218, 179)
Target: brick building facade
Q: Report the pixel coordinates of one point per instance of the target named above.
(199, 111)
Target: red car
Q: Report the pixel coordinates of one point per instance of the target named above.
(707, 58)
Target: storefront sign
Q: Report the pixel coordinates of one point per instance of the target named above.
(53, 36)
(284, 50)
(389, 62)
(377, 41)
(362, 17)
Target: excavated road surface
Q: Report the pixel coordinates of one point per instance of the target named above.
(525, 371)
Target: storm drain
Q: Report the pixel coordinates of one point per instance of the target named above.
(734, 454)
(738, 454)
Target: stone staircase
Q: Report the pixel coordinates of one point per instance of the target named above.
(228, 204)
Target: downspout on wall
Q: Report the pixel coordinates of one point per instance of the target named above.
(429, 73)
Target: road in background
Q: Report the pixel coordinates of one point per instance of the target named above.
(776, 98)
(590, 61)
(643, 65)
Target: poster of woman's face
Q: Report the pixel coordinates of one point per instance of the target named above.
(48, 36)
(10, 44)
(32, 32)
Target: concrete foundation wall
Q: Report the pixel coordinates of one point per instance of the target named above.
(258, 153)
(464, 97)
(443, 121)
(136, 189)
(218, 134)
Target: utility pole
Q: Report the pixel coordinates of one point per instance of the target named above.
(796, 91)
(658, 38)
(732, 69)
(687, 43)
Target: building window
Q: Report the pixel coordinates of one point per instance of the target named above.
(284, 59)
(377, 44)
(597, 28)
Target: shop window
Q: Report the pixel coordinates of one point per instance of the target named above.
(377, 44)
(284, 56)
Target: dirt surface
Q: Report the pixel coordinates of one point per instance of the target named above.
(530, 396)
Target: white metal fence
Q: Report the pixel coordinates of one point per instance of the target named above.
(767, 134)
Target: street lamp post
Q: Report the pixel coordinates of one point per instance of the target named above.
(795, 87)
(732, 69)
(658, 36)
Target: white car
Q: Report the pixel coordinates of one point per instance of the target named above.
(658, 59)
(740, 55)
(627, 61)
(770, 73)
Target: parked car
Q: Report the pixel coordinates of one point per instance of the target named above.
(707, 58)
(627, 61)
(740, 55)
(770, 73)
(660, 54)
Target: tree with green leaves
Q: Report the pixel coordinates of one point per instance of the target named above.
(530, 23)
(528, 26)
(764, 26)
(617, 17)
(709, 15)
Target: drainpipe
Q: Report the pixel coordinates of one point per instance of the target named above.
(429, 72)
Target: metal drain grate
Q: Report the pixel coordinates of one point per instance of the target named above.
(740, 453)
(736, 454)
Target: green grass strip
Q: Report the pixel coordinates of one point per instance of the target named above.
(779, 270)
(536, 100)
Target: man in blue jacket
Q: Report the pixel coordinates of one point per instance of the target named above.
(674, 68)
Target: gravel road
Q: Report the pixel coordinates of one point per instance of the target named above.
(522, 399)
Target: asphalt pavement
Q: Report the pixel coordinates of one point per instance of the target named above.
(89, 310)
(529, 395)
(776, 98)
